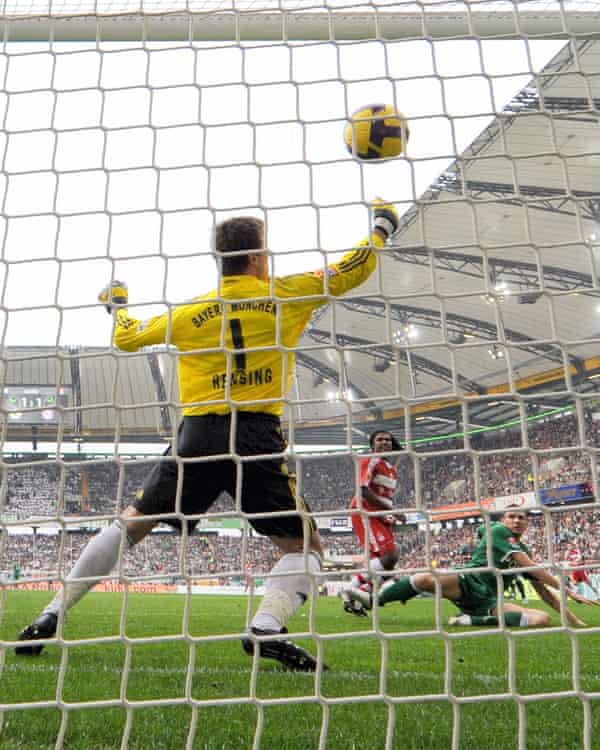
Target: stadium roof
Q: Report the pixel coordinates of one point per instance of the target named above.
(105, 392)
(491, 287)
(493, 278)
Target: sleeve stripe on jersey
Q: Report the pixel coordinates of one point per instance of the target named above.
(357, 257)
(359, 260)
(385, 481)
(510, 553)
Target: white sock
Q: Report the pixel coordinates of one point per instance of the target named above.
(99, 557)
(376, 568)
(284, 595)
(360, 579)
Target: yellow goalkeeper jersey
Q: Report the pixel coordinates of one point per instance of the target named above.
(236, 344)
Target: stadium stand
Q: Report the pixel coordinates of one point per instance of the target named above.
(92, 487)
(165, 555)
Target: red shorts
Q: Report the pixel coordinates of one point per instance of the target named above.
(580, 576)
(380, 534)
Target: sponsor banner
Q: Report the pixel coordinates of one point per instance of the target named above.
(220, 523)
(340, 523)
(523, 500)
(33, 586)
(456, 510)
(344, 523)
(110, 586)
(334, 523)
(235, 590)
(568, 493)
(150, 587)
(491, 504)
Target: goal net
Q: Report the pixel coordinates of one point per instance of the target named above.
(129, 131)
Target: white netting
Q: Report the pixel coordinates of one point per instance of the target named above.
(206, 20)
(475, 341)
(114, 7)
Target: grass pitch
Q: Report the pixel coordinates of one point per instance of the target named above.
(340, 708)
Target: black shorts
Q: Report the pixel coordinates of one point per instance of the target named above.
(266, 486)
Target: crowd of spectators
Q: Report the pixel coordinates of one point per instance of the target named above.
(164, 554)
(43, 489)
(499, 459)
(452, 543)
(448, 474)
(227, 558)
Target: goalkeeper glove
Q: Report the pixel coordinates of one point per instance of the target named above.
(385, 218)
(114, 295)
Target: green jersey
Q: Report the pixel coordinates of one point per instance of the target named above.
(504, 546)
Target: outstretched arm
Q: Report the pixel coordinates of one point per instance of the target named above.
(351, 271)
(357, 265)
(553, 601)
(540, 575)
(130, 333)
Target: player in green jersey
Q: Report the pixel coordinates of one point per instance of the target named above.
(476, 593)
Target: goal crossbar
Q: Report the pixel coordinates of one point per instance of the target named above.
(241, 25)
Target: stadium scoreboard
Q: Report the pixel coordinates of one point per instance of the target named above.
(36, 404)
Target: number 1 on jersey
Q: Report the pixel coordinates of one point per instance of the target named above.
(237, 338)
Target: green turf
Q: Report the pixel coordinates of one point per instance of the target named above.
(220, 671)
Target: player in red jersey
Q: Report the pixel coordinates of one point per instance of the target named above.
(579, 576)
(378, 482)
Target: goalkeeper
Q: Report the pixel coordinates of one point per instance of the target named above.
(475, 594)
(236, 356)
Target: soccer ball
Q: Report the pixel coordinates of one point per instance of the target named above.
(378, 131)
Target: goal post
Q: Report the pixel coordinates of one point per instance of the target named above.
(207, 22)
(129, 130)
